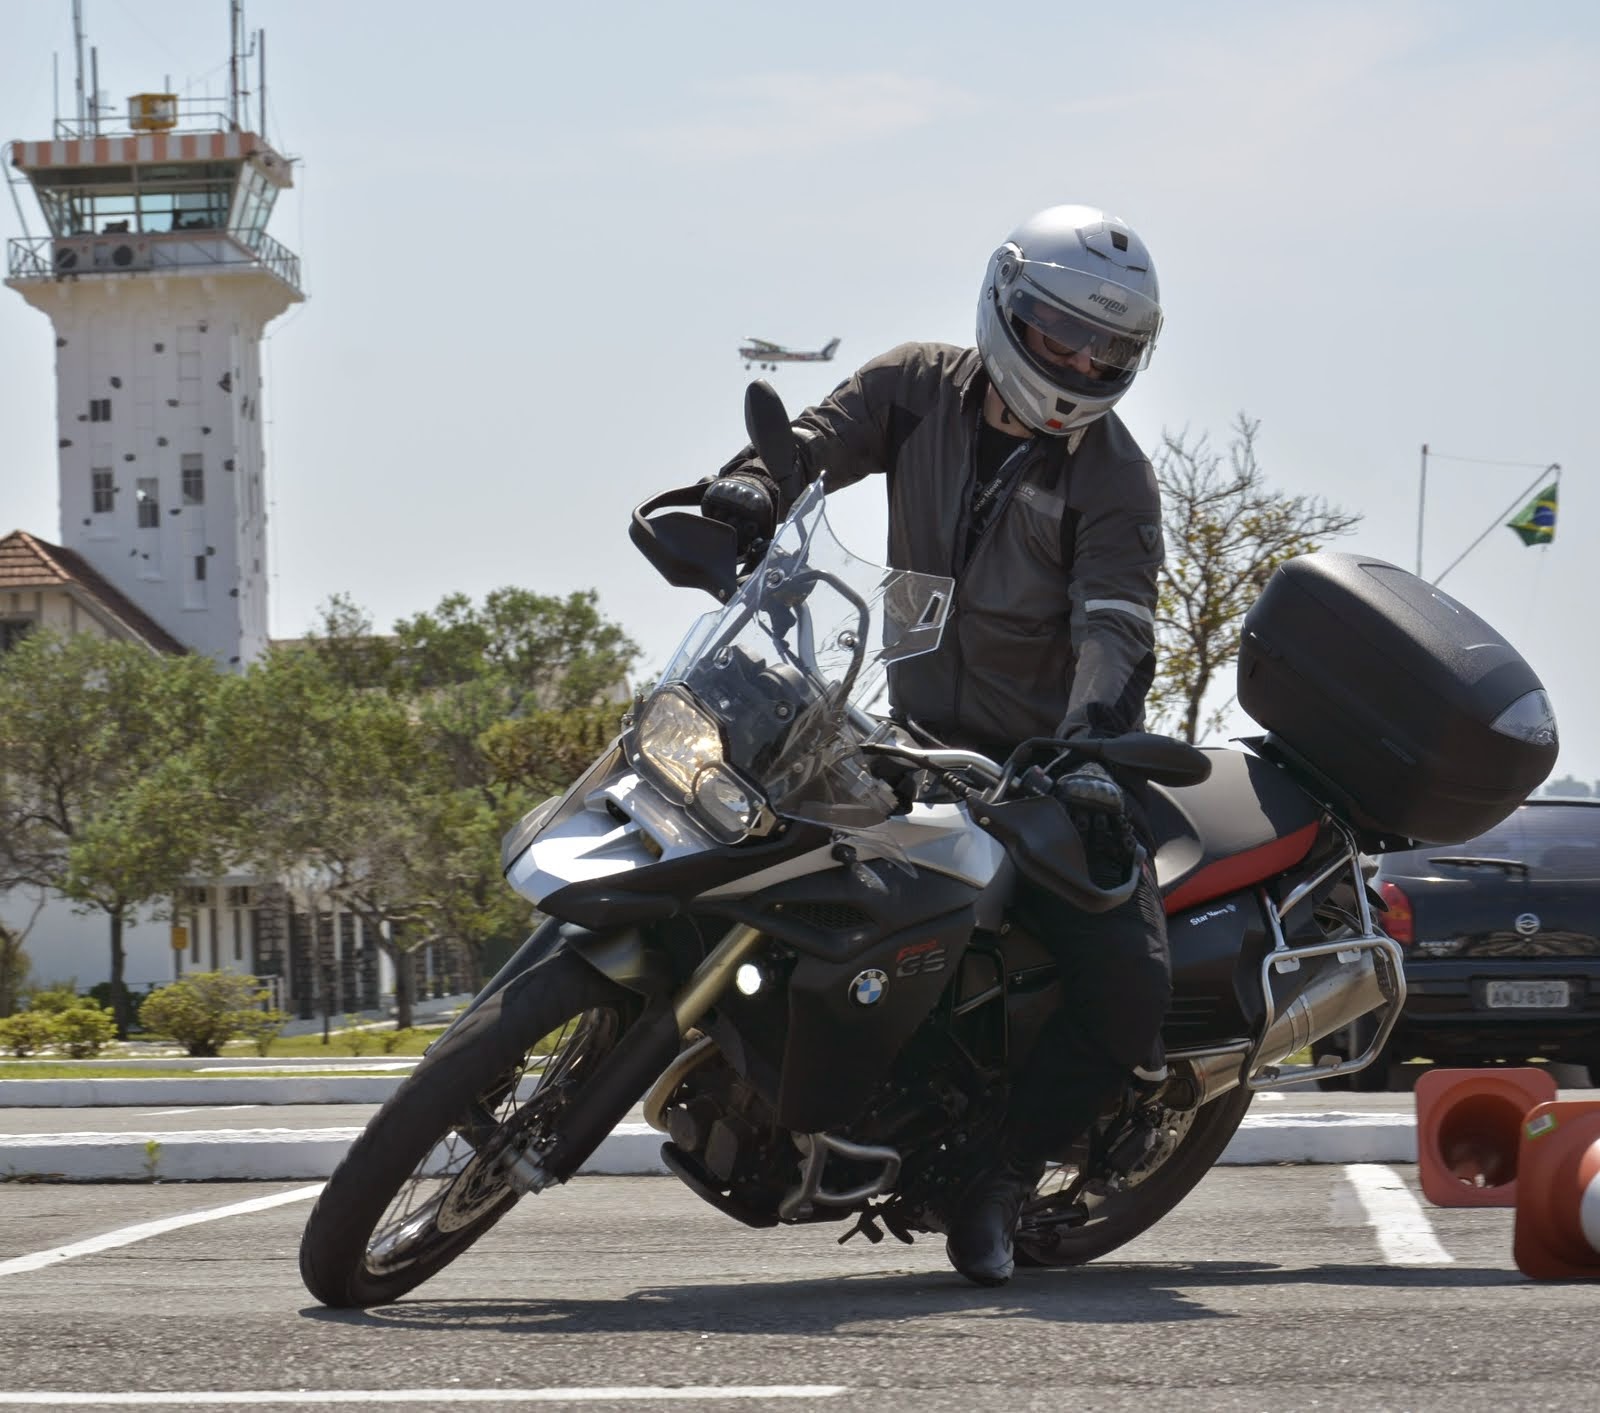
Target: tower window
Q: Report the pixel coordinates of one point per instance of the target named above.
(194, 479)
(147, 493)
(101, 490)
(99, 409)
(199, 566)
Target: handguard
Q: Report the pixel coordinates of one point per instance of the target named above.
(1042, 841)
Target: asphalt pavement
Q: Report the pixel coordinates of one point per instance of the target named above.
(1269, 1287)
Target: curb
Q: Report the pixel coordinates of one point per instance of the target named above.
(287, 1155)
(186, 1089)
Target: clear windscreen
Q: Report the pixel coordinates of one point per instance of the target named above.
(811, 633)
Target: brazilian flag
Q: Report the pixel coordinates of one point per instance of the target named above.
(1536, 521)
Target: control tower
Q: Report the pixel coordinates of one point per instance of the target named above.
(159, 276)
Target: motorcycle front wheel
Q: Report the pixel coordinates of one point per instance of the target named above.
(429, 1174)
(1057, 1230)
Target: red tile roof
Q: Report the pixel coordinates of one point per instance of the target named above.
(27, 562)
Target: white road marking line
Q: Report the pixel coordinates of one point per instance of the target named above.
(126, 1236)
(1396, 1217)
(307, 1397)
(198, 1108)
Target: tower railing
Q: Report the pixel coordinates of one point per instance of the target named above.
(129, 253)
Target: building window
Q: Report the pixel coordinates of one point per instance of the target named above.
(194, 897)
(199, 566)
(13, 631)
(100, 490)
(148, 494)
(194, 479)
(99, 409)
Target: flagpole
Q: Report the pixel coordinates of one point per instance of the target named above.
(1422, 500)
(1495, 523)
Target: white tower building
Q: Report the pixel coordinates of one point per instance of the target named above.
(160, 278)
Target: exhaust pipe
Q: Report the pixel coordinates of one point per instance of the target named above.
(1350, 979)
(1344, 988)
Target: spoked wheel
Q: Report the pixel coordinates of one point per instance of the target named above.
(1063, 1228)
(433, 1170)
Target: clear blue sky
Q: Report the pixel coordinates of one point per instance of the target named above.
(534, 234)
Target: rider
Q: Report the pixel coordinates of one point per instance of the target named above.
(1007, 468)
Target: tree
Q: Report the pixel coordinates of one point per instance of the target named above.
(1569, 785)
(97, 800)
(508, 702)
(15, 964)
(309, 770)
(1226, 531)
(468, 668)
(360, 767)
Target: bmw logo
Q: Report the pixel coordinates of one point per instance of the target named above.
(868, 987)
(1527, 923)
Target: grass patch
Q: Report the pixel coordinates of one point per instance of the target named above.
(376, 1044)
(65, 1069)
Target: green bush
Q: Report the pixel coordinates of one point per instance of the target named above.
(261, 1028)
(204, 1010)
(27, 1032)
(391, 1040)
(50, 1000)
(354, 1039)
(85, 1029)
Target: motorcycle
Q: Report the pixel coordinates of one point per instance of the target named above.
(780, 916)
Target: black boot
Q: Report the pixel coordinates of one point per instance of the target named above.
(979, 1244)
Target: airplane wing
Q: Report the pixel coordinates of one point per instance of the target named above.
(767, 344)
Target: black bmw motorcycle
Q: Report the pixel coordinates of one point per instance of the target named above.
(781, 920)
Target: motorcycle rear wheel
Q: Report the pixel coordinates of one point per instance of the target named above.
(1118, 1217)
(427, 1177)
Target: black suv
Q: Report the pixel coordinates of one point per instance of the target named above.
(1502, 945)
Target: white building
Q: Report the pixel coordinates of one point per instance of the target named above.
(158, 277)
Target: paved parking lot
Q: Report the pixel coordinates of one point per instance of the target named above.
(1300, 1287)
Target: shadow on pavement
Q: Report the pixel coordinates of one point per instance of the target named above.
(1104, 1294)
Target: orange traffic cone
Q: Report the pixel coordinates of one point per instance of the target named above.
(1557, 1233)
(1469, 1126)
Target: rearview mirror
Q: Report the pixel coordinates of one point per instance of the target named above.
(767, 425)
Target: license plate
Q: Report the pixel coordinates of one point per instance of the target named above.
(1527, 995)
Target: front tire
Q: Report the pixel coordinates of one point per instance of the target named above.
(1114, 1219)
(427, 1177)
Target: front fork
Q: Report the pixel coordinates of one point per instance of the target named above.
(650, 1044)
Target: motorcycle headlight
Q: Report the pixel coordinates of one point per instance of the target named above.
(729, 808)
(680, 748)
(676, 741)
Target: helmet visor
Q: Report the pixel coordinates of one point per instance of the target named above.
(1063, 339)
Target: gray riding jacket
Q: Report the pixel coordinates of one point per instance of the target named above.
(1052, 631)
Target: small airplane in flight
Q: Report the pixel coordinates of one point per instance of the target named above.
(770, 355)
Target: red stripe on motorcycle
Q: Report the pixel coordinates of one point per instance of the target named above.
(1241, 870)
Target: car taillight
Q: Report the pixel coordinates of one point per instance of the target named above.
(1399, 922)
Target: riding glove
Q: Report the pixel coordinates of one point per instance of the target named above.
(746, 500)
(1099, 813)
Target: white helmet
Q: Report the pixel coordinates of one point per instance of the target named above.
(1070, 280)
